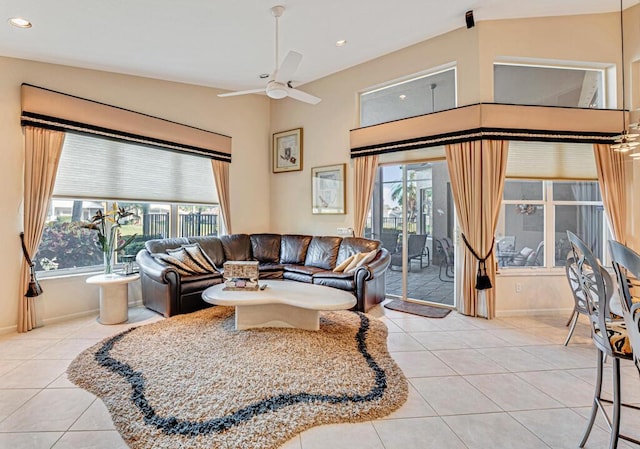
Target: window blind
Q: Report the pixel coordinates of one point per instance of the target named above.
(98, 168)
(551, 160)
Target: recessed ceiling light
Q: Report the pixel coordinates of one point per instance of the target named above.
(341, 43)
(402, 97)
(263, 76)
(20, 22)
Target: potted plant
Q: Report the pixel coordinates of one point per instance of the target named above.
(107, 226)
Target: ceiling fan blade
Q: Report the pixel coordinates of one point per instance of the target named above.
(242, 92)
(302, 96)
(285, 72)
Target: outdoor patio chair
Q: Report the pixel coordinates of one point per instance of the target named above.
(416, 250)
(506, 243)
(445, 251)
(538, 260)
(527, 257)
(389, 240)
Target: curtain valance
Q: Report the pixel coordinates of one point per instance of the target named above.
(488, 121)
(44, 108)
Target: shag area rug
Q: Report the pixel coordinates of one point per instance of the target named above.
(193, 381)
(418, 309)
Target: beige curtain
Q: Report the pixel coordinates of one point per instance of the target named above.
(42, 154)
(477, 171)
(613, 181)
(365, 176)
(221, 176)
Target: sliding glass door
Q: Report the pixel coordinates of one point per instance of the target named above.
(412, 215)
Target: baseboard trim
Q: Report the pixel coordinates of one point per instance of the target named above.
(70, 316)
(9, 329)
(532, 312)
(61, 318)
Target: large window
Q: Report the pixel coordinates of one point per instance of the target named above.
(416, 96)
(549, 86)
(536, 215)
(170, 195)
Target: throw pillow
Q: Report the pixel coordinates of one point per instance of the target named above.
(188, 260)
(354, 263)
(368, 257)
(200, 257)
(177, 261)
(340, 268)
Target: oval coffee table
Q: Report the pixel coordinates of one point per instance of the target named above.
(280, 304)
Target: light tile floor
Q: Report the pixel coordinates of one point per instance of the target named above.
(473, 383)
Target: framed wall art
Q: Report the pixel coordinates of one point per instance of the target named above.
(327, 189)
(287, 151)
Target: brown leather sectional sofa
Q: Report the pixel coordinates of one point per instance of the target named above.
(302, 258)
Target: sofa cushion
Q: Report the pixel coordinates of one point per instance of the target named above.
(325, 274)
(270, 270)
(353, 245)
(266, 247)
(342, 281)
(302, 269)
(212, 246)
(293, 248)
(199, 282)
(162, 245)
(270, 267)
(236, 246)
(323, 252)
(299, 277)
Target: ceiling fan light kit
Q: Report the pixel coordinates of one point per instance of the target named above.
(276, 90)
(279, 84)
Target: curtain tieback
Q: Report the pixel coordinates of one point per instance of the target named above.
(482, 279)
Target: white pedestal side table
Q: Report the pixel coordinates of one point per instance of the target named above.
(114, 298)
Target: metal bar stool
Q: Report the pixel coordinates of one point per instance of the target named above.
(609, 336)
(626, 264)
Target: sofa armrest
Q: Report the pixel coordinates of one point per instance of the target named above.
(369, 281)
(160, 285)
(380, 263)
(155, 270)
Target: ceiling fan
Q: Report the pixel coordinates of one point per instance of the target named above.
(279, 84)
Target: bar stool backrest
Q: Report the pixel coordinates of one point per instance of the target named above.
(626, 264)
(571, 270)
(597, 288)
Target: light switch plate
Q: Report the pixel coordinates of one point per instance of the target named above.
(345, 231)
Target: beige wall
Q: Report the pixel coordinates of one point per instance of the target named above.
(245, 119)
(591, 39)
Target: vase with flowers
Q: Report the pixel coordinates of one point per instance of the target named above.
(107, 225)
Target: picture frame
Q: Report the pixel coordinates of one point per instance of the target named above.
(287, 151)
(328, 189)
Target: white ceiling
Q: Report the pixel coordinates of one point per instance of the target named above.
(228, 44)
